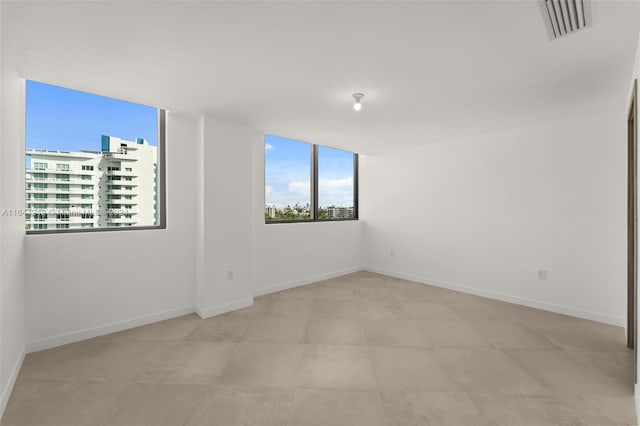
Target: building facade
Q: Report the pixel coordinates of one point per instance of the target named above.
(339, 212)
(113, 187)
(270, 211)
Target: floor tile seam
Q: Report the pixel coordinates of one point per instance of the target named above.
(554, 345)
(529, 371)
(107, 407)
(18, 402)
(195, 409)
(159, 361)
(473, 325)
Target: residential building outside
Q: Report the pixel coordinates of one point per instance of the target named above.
(113, 187)
(340, 212)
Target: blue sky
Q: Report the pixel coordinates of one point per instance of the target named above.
(287, 173)
(68, 120)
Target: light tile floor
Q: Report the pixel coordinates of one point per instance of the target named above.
(362, 349)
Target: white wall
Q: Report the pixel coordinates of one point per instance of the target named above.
(483, 214)
(12, 330)
(86, 284)
(3, 386)
(289, 255)
(224, 233)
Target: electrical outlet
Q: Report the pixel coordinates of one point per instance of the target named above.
(229, 275)
(542, 274)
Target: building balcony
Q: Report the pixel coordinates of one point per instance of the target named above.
(48, 171)
(53, 220)
(121, 220)
(131, 193)
(53, 179)
(49, 221)
(125, 202)
(71, 191)
(123, 211)
(54, 171)
(121, 191)
(122, 183)
(121, 173)
(120, 156)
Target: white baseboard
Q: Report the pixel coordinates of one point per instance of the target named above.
(223, 309)
(88, 333)
(565, 310)
(6, 392)
(286, 286)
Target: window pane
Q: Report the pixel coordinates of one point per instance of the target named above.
(335, 184)
(287, 179)
(87, 142)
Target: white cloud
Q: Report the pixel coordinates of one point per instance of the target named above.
(336, 183)
(300, 187)
(338, 192)
(268, 146)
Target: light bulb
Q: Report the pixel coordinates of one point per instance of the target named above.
(357, 96)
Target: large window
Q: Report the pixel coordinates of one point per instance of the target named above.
(305, 182)
(287, 179)
(84, 137)
(336, 189)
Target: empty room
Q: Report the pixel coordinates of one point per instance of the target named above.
(318, 213)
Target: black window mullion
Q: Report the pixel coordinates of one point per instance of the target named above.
(314, 182)
(356, 213)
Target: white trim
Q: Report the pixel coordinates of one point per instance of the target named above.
(200, 212)
(101, 330)
(223, 309)
(280, 287)
(6, 392)
(636, 394)
(565, 310)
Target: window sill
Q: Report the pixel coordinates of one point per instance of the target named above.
(271, 222)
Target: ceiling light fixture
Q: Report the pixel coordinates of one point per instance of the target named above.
(358, 106)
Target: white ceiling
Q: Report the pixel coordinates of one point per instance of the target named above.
(430, 70)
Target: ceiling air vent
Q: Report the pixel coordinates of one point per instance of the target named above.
(564, 17)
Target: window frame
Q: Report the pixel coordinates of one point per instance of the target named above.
(161, 192)
(314, 191)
